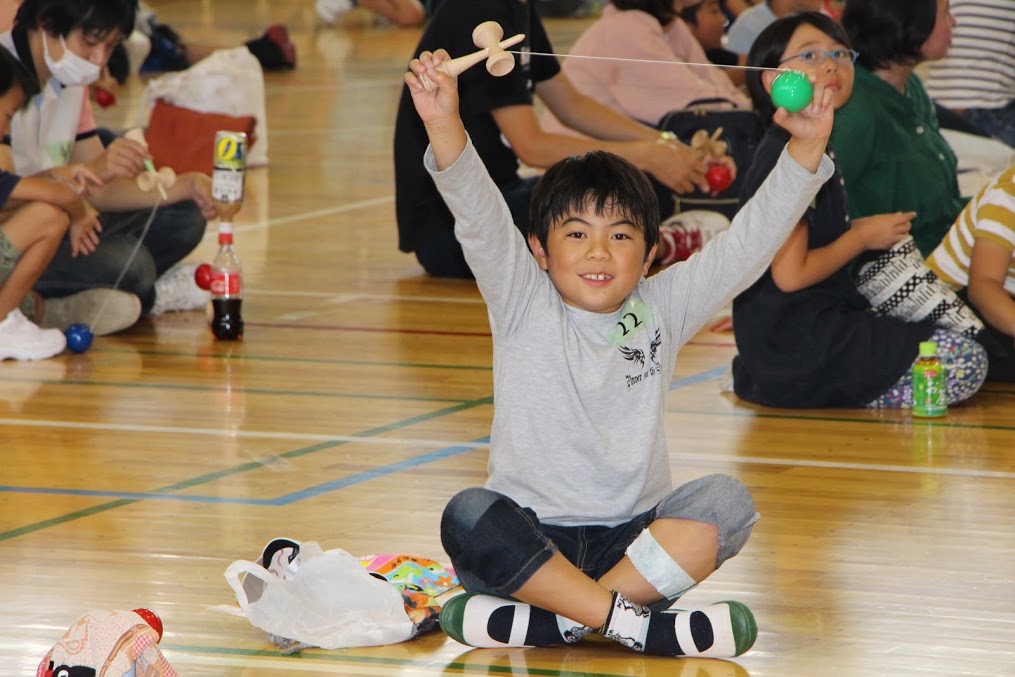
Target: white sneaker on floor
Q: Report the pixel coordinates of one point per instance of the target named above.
(685, 233)
(329, 11)
(119, 310)
(21, 339)
(176, 289)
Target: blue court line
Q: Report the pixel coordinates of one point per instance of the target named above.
(698, 378)
(381, 471)
(165, 494)
(226, 472)
(286, 499)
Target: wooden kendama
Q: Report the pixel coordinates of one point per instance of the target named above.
(151, 179)
(487, 36)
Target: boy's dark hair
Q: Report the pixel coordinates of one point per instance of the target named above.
(596, 181)
(888, 32)
(662, 10)
(95, 18)
(769, 46)
(14, 74)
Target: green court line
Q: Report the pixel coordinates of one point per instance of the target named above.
(835, 419)
(250, 391)
(63, 519)
(383, 660)
(242, 468)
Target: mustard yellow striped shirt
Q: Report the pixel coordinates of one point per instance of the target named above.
(991, 216)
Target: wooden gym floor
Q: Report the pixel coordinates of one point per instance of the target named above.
(360, 400)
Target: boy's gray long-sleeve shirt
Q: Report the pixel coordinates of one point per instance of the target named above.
(579, 428)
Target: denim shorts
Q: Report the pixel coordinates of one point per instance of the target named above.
(496, 545)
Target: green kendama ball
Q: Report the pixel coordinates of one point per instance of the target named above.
(792, 90)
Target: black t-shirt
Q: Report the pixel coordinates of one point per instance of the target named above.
(820, 346)
(418, 205)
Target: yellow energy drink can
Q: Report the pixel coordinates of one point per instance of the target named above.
(230, 161)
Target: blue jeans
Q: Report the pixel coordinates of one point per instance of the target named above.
(176, 230)
(997, 122)
(439, 252)
(496, 545)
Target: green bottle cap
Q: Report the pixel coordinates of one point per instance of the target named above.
(928, 349)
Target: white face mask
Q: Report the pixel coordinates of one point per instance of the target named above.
(71, 70)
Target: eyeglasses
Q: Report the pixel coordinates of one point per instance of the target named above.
(816, 57)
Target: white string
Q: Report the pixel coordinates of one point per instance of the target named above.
(665, 63)
(130, 259)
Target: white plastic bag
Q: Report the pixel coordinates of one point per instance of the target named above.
(330, 602)
(228, 81)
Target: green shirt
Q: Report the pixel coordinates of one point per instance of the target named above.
(894, 159)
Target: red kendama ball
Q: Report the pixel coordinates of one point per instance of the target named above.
(104, 97)
(202, 276)
(719, 178)
(152, 619)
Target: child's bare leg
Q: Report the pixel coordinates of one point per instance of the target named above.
(35, 230)
(693, 547)
(560, 587)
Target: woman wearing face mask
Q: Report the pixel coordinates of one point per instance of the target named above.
(65, 44)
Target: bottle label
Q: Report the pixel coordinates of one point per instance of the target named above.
(929, 391)
(224, 284)
(230, 159)
(227, 185)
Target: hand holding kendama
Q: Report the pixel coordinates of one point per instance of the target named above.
(499, 62)
(719, 176)
(151, 179)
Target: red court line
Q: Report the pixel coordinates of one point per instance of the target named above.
(427, 332)
(378, 330)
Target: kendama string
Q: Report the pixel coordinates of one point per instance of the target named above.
(656, 61)
(130, 259)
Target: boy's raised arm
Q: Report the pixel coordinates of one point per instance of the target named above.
(437, 106)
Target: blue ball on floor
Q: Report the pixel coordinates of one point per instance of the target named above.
(79, 338)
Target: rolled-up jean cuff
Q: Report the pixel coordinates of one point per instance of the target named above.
(527, 571)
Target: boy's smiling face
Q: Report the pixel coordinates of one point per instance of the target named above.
(594, 260)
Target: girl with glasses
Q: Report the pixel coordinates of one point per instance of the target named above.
(806, 337)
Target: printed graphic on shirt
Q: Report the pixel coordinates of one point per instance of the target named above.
(648, 365)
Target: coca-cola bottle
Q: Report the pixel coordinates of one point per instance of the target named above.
(226, 288)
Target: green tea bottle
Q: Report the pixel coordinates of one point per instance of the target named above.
(929, 396)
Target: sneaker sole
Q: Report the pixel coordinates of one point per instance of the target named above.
(121, 312)
(31, 355)
(453, 615)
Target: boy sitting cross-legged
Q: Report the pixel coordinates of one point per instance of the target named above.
(579, 529)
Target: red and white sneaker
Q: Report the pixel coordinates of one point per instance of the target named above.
(685, 233)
